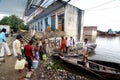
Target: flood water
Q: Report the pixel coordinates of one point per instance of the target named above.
(108, 49)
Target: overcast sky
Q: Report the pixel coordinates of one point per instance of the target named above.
(102, 13)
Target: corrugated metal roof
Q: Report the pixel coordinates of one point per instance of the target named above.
(56, 5)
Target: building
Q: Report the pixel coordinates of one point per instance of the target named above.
(59, 16)
(90, 32)
(7, 27)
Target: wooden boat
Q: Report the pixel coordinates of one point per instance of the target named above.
(107, 63)
(101, 71)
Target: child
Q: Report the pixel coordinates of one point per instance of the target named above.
(22, 49)
(36, 50)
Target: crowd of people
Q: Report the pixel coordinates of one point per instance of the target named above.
(29, 52)
(67, 43)
(21, 49)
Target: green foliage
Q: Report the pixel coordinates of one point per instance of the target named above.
(14, 22)
(54, 65)
(5, 21)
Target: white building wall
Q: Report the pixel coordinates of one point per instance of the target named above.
(71, 21)
(82, 24)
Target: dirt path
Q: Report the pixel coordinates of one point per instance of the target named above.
(7, 71)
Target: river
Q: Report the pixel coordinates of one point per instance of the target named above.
(108, 49)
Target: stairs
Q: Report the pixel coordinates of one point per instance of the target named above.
(38, 35)
(27, 37)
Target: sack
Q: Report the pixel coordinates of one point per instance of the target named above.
(44, 57)
(20, 64)
(35, 64)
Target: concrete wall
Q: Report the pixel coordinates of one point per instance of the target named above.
(90, 32)
(73, 22)
(7, 27)
(70, 21)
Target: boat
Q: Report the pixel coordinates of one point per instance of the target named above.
(94, 69)
(107, 63)
(91, 46)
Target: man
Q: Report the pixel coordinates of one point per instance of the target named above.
(72, 43)
(85, 50)
(4, 43)
(67, 44)
(28, 54)
(17, 47)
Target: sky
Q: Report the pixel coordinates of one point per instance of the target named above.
(10, 7)
(105, 14)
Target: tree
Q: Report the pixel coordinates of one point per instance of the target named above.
(14, 22)
(5, 21)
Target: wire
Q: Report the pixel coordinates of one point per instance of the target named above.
(105, 8)
(74, 0)
(100, 5)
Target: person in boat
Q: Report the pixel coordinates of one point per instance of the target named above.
(85, 50)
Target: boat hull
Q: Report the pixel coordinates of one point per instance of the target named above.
(102, 75)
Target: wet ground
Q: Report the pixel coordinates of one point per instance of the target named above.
(7, 71)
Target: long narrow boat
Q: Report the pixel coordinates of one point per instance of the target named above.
(107, 63)
(101, 71)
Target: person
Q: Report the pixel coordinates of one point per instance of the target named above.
(44, 46)
(11, 32)
(22, 48)
(36, 51)
(67, 44)
(41, 52)
(17, 47)
(28, 49)
(85, 50)
(63, 44)
(32, 32)
(4, 44)
(72, 43)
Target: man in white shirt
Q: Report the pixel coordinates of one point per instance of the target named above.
(67, 44)
(72, 43)
(17, 47)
